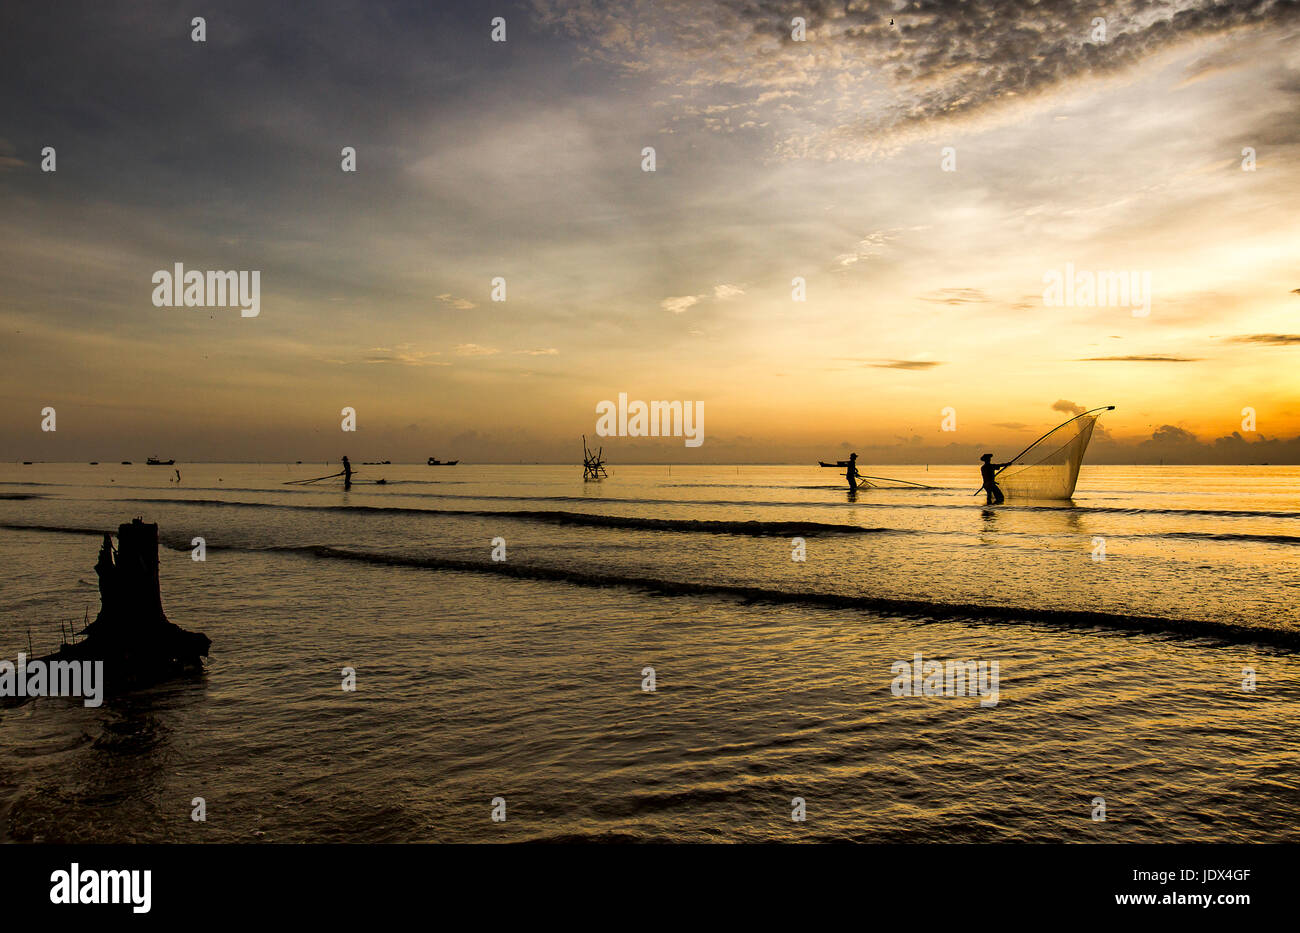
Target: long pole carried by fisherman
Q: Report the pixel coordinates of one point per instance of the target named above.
(314, 479)
(891, 479)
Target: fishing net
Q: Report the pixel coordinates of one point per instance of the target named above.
(1049, 468)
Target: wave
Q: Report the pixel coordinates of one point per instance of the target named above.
(863, 501)
(1231, 536)
(1062, 507)
(1225, 513)
(752, 528)
(923, 609)
(908, 487)
(758, 529)
(883, 605)
(748, 528)
(57, 529)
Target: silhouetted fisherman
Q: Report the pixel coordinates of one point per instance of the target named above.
(347, 474)
(851, 471)
(989, 470)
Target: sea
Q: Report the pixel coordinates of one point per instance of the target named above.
(505, 653)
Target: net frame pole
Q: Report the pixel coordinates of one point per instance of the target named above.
(1053, 431)
(1049, 433)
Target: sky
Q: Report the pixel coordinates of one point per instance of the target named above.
(822, 158)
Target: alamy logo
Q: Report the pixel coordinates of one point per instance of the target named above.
(195, 289)
(1103, 289)
(656, 419)
(953, 679)
(87, 886)
(53, 679)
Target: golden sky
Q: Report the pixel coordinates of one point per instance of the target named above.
(775, 159)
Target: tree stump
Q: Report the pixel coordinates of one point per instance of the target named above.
(131, 634)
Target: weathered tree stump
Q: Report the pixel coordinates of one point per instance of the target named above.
(131, 634)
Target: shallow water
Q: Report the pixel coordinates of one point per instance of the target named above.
(1120, 677)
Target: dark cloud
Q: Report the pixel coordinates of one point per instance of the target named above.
(1171, 443)
(1171, 434)
(906, 364)
(1153, 358)
(945, 60)
(1277, 340)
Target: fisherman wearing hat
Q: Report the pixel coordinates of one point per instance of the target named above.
(989, 470)
(852, 471)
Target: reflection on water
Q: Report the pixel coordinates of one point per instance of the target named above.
(97, 774)
(476, 685)
(129, 756)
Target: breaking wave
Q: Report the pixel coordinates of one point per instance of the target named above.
(923, 609)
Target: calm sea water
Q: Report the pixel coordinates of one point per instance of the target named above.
(1120, 677)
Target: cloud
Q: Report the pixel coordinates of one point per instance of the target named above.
(541, 351)
(473, 349)
(1171, 434)
(906, 364)
(1011, 425)
(956, 296)
(458, 304)
(873, 244)
(1067, 406)
(1215, 63)
(858, 86)
(1153, 358)
(680, 304)
(402, 354)
(1277, 340)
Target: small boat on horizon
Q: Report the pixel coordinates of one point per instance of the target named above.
(433, 462)
(154, 461)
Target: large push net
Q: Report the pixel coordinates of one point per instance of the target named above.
(1049, 468)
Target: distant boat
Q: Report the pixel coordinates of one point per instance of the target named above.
(94, 463)
(433, 462)
(126, 463)
(375, 462)
(29, 463)
(154, 461)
